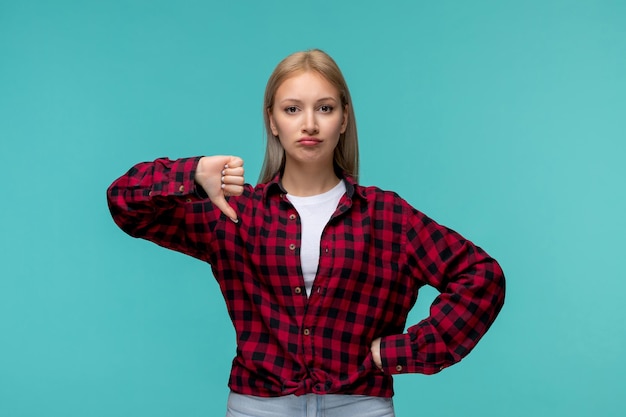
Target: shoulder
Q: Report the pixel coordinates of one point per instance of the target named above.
(389, 204)
(377, 195)
(255, 194)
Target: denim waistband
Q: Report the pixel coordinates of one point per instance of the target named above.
(309, 405)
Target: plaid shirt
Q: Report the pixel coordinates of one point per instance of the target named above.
(375, 254)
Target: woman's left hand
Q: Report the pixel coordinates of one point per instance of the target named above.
(375, 349)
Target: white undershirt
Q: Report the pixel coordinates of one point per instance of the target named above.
(315, 212)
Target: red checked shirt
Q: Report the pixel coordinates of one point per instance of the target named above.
(375, 253)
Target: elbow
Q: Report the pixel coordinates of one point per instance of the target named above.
(499, 284)
(121, 213)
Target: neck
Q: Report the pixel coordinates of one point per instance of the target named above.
(303, 182)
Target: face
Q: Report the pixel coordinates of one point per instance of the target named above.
(308, 118)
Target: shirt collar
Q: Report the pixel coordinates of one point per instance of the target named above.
(275, 186)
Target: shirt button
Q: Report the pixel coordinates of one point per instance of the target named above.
(292, 246)
(292, 216)
(399, 368)
(298, 290)
(181, 188)
(307, 332)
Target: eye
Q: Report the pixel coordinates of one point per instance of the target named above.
(326, 108)
(291, 109)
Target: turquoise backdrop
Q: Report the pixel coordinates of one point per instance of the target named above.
(505, 120)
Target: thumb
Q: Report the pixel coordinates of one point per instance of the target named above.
(221, 203)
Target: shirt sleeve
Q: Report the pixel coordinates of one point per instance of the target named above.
(158, 201)
(471, 286)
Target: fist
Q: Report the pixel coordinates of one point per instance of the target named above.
(220, 177)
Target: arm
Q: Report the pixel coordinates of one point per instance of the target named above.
(471, 286)
(154, 200)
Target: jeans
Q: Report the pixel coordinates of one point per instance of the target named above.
(309, 405)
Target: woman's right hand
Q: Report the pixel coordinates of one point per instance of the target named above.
(221, 176)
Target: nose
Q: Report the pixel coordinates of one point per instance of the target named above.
(309, 122)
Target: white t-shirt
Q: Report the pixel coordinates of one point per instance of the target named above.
(314, 211)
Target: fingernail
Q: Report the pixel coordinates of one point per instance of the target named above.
(235, 220)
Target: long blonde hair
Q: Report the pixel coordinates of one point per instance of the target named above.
(346, 156)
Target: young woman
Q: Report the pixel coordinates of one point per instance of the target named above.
(318, 272)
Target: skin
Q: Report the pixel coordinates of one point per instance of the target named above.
(308, 119)
(221, 176)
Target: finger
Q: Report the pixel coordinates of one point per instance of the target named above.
(239, 171)
(232, 190)
(232, 180)
(234, 162)
(221, 203)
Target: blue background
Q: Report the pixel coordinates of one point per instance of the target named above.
(503, 120)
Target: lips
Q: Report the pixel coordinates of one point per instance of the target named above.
(307, 141)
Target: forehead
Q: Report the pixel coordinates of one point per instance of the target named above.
(306, 84)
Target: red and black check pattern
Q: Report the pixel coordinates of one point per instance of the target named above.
(375, 254)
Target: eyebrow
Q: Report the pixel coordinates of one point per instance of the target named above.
(295, 100)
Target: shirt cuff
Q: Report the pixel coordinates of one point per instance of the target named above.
(396, 353)
(178, 179)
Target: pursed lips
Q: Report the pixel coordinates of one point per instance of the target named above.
(308, 141)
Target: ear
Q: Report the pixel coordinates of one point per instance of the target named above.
(344, 123)
(272, 122)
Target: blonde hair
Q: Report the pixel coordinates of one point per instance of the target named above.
(346, 157)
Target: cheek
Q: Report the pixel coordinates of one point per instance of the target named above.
(286, 126)
(340, 126)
